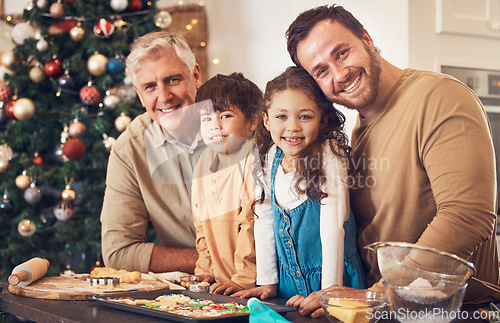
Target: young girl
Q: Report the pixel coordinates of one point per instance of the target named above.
(304, 218)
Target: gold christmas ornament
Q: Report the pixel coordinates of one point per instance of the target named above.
(23, 181)
(26, 228)
(8, 58)
(96, 64)
(37, 74)
(4, 165)
(122, 122)
(76, 128)
(56, 10)
(24, 109)
(68, 195)
(77, 33)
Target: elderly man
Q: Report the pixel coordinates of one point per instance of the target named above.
(422, 148)
(151, 163)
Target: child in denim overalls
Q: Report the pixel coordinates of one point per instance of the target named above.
(305, 236)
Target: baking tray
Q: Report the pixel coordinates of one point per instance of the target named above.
(243, 317)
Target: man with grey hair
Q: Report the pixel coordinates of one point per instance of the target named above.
(151, 163)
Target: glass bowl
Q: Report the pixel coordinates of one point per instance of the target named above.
(422, 302)
(353, 306)
(399, 261)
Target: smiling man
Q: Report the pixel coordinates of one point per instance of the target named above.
(151, 163)
(422, 148)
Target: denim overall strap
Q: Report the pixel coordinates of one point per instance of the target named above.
(298, 245)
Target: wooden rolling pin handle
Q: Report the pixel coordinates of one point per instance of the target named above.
(20, 276)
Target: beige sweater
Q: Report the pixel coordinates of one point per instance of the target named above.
(427, 175)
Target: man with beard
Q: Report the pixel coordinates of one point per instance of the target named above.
(151, 163)
(422, 152)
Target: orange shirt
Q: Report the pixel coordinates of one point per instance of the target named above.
(223, 217)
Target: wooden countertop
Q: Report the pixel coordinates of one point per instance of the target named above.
(50, 311)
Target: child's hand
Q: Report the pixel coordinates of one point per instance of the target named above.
(226, 288)
(263, 292)
(295, 301)
(206, 278)
(311, 305)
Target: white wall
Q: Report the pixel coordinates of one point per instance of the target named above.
(427, 49)
(249, 36)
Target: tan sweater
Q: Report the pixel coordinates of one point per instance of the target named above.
(223, 216)
(146, 185)
(427, 175)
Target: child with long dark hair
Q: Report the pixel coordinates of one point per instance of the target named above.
(305, 236)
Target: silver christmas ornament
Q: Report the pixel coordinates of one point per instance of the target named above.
(32, 194)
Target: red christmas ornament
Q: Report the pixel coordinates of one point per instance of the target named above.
(104, 28)
(136, 5)
(4, 92)
(63, 26)
(74, 149)
(9, 109)
(89, 95)
(70, 1)
(54, 68)
(38, 159)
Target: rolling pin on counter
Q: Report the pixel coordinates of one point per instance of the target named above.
(29, 271)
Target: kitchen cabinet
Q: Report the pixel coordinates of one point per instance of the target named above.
(468, 17)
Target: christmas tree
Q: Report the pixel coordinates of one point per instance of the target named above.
(64, 101)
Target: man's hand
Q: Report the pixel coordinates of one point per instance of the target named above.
(263, 292)
(310, 305)
(226, 288)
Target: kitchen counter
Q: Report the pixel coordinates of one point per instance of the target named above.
(50, 311)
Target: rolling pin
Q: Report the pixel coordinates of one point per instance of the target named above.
(29, 271)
